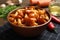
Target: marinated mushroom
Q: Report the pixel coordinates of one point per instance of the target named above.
(29, 16)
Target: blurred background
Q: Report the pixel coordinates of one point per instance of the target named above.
(15, 1)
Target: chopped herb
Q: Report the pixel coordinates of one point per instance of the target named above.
(4, 11)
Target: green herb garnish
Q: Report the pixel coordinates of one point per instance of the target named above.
(4, 11)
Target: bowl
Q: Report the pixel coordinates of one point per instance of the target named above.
(29, 31)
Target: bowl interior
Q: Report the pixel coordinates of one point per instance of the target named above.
(13, 11)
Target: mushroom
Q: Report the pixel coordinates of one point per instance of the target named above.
(3, 5)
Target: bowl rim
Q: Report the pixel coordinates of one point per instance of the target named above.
(28, 26)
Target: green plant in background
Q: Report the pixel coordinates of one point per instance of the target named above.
(4, 11)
